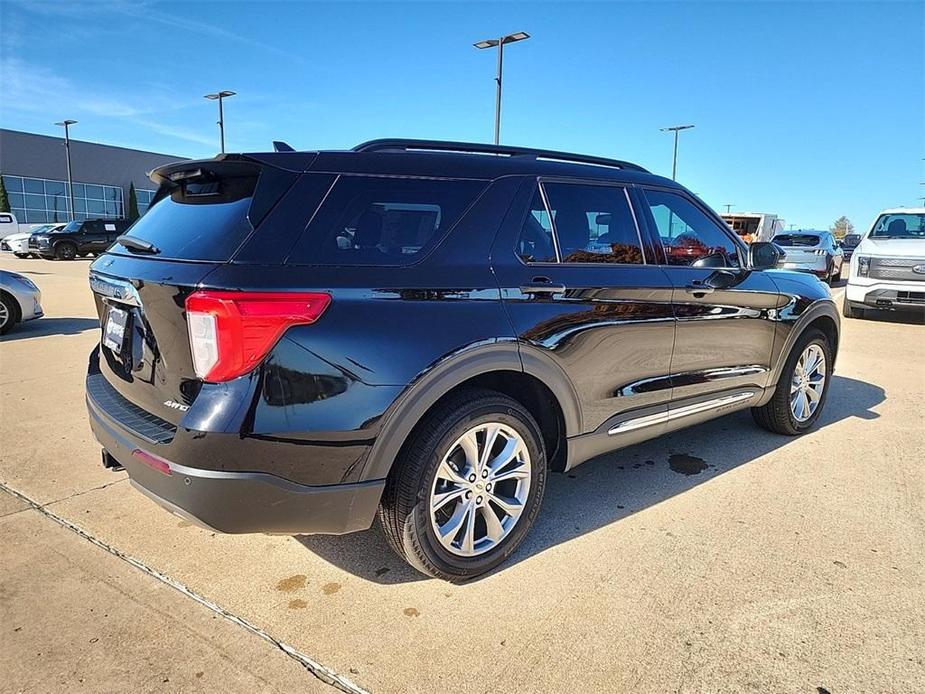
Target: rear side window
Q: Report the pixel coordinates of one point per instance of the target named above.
(593, 223)
(202, 220)
(367, 220)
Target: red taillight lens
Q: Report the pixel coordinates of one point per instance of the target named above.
(230, 332)
(155, 462)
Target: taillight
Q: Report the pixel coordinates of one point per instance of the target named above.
(231, 332)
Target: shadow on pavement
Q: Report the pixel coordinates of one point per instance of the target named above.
(43, 327)
(613, 486)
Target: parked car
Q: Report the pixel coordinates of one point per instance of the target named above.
(297, 342)
(20, 300)
(78, 238)
(18, 244)
(887, 269)
(848, 244)
(812, 251)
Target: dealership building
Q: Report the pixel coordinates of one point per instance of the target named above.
(34, 169)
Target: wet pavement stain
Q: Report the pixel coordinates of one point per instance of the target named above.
(411, 612)
(685, 464)
(293, 583)
(330, 588)
(297, 604)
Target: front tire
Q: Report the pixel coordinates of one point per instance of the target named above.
(21, 255)
(467, 486)
(801, 389)
(9, 313)
(65, 250)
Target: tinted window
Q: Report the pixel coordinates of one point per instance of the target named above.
(689, 236)
(369, 220)
(593, 224)
(198, 222)
(535, 244)
(5, 218)
(808, 240)
(901, 225)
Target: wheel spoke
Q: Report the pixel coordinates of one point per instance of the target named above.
(507, 454)
(517, 473)
(468, 541)
(449, 530)
(813, 394)
(441, 500)
(470, 447)
(446, 472)
(491, 436)
(493, 525)
(510, 506)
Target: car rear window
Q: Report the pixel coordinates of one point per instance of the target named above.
(793, 240)
(378, 220)
(197, 220)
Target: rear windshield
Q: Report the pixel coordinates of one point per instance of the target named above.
(807, 240)
(851, 240)
(899, 226)
(197, 220)
(368, 220)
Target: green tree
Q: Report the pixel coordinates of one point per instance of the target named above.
(132, 213)
(4, 198)
(842, 226)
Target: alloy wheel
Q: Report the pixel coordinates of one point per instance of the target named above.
(480, 489)
(4, 315)
(807, 383)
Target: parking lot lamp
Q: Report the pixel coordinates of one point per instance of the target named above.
(674, 160)
(67, 153)
(491, 43)
(219, 96)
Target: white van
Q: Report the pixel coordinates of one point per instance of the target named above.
(888, 266)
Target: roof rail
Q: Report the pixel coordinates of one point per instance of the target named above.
(406, 145)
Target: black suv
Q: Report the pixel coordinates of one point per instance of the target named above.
(295, 342)
(78, 238)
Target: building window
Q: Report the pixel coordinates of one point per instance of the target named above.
(144, 199)
(35, 200)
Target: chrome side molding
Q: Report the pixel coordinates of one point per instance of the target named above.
(685, 411)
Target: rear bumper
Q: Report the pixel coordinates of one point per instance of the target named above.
(238, 502)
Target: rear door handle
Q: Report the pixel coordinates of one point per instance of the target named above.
(541, 287)
(699, 289)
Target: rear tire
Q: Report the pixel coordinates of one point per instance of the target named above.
(9, 313)
(793, 410)
(436, 504)
(21, 255)
(65, 250)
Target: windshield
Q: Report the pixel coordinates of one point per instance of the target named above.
(906, 225)
(73, 226)
(851, 240)
(806, 240)
(41, 228)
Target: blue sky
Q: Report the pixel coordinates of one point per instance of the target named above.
(808, 110)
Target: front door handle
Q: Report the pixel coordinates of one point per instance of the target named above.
(699, 289)
(541, 285)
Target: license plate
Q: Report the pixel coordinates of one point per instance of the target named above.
(114, 334)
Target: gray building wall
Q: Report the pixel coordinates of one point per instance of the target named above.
(42, 156)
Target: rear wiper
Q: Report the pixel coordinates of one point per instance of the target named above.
(136, 244)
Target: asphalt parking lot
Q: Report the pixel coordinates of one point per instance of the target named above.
(721, 558)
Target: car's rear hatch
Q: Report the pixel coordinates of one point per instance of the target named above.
(202, 214)
(800, 248)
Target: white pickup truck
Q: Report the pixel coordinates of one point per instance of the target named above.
(888, 265)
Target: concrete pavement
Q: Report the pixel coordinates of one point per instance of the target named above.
(721, 558)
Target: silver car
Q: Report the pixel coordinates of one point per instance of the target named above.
(812, 251)
(20, 300)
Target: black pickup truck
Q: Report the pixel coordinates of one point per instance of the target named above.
(78, 238)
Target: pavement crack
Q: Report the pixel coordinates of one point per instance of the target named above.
(322, 672)
(80, 493)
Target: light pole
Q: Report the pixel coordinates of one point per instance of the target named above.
(728, 206)
(491, 43)
(219, 96)
(674, 160)
(67, 152)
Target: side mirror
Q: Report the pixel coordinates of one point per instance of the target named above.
(764, 255)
